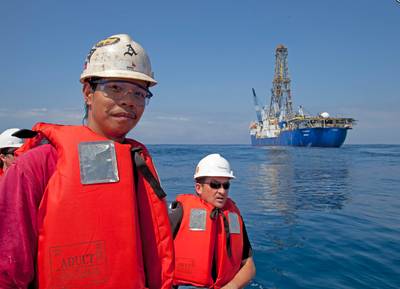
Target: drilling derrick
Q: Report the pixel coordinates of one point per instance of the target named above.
(281, 99)
(278, 125)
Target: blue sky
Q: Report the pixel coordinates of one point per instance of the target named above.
(207, 55)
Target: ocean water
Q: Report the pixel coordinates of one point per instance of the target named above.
(316, 217)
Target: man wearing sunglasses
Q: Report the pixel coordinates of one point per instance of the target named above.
(212, 249)
(8, 145)
(82, 206)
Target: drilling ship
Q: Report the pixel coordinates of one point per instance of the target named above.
(278, 125)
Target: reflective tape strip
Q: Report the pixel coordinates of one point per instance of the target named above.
(197, 220)
(234, 225)
(98, 162)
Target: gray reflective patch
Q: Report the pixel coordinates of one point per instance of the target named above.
(234, 225)
(97, 162)
(197, 220)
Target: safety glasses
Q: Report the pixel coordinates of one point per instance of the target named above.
(217, 185)
(117, 89)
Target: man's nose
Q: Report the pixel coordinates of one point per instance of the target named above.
(222, 191)
(127, 99)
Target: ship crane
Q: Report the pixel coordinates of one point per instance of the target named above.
(257, 107)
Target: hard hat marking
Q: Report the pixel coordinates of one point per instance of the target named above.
(130, 50)
(89, 56)
(102, 43)
(108, 41)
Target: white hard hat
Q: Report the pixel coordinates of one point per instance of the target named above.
(9, 141)
(213, 165)
(120, 57)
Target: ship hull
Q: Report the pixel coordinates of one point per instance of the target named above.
(311, 137)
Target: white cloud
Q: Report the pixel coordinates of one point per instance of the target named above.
(25, 118)
(173, 118)
(192, 129)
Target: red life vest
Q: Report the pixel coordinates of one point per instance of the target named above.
(200, 239)
(100, 235)
(31, 142)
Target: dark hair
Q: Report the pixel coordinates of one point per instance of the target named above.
(8, 150)
(93, 85)
(201, 180)
(93, 82)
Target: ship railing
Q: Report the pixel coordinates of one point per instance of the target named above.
(318, 122)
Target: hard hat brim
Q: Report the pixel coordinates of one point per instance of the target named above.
(11, 146)
(120, 74)
(231, 176)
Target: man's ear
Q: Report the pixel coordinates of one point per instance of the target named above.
(198, 188)
(87, 93)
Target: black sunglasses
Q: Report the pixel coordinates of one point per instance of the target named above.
(216, 185)
(8, 151)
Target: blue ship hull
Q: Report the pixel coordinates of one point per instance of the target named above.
(314, 137)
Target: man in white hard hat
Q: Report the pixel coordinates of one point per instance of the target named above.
(8, 145)
(82, 206)
(212, 249)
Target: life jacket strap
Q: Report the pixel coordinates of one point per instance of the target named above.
(213, 215)
(139, 163)
(25, 133)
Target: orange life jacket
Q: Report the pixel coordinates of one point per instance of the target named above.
(100, 235)
(30, 142)
(202, 239)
